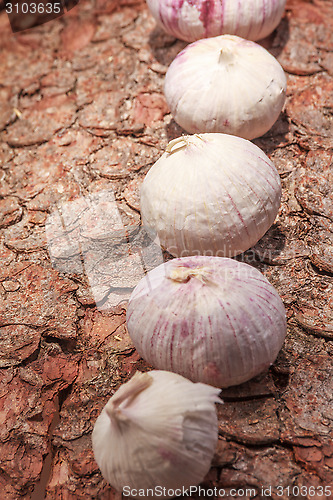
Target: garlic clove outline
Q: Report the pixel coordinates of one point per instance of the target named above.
(225, 84)
(158, 430)
(210, 194)
(195, 19)
(211, 319)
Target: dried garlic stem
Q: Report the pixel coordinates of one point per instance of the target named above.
(176, 145)
(127, 393)
(182, 142)
(184, 274)
(226, 57)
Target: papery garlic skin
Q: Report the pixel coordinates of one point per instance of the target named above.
(210, 194)
(211, 319)
(191, 20)
(159, 429)
(225, 84)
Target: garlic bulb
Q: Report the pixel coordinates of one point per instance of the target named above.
(190, 20)
(225, 84)
(210, 194)
(159, 431)
(211, 319)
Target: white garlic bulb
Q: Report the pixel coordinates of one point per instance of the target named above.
(225, 84)
(190, 20)
(156, 434)
(211, 319)
(210, 194)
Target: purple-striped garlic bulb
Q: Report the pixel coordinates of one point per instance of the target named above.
(225, 84)
(191, 20)
(211, 319)
(210, 194)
